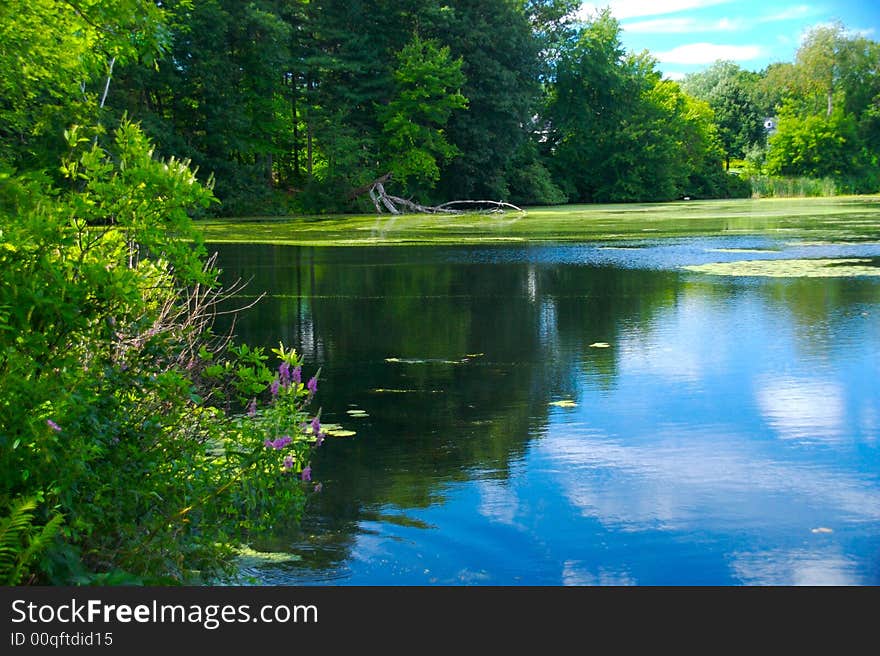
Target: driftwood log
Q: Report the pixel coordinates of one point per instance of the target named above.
(397, 205)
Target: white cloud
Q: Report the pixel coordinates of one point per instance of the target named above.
(674, 75)
(707, 53)
(621, 9)
(684, 26)
(789, 13)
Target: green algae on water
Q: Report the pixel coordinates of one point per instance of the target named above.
(801, 268)
(850, 219)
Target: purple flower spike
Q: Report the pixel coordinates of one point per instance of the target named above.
(318, 487)
(307, 473)
(320, 439)
(316, 426)
(296, 375)
(312, 385)
(288, 463)
(269, 444)
(284, 372)
(274, 387)
(55, 427)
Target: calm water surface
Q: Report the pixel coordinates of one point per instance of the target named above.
(728, 434)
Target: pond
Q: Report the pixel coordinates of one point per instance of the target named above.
(581, 413)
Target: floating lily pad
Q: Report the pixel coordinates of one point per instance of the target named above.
(565, 403)
(340, 432)
(806, 268)
(357, 413)
(600, 345)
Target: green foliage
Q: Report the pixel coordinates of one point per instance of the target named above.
(119, 408)
(731, 93)
(500, 51)
(222, 97)
(20, 541)
(814, 145)
(620, 133)
(426, 94)
(766, 186)
(54, 57)
(828, 111)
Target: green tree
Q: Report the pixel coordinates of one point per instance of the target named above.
(814, 145)
(497, 44)
(730, 92)
(828, 112)
(221, 97)
(585, 103)
(618, 132)
(426, 93)
(56, 58)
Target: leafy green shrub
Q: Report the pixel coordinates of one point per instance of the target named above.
(158, 444)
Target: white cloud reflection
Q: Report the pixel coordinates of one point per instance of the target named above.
(577, 573)
(795, 567)
(498, 502)
(692, 477)
(801, 409)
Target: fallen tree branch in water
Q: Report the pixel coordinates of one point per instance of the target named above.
(394, 204)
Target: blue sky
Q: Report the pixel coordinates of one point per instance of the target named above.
(689, 35)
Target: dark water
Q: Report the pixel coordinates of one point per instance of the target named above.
(728, 434)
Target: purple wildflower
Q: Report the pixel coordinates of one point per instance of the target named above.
(306, 473)
(252, 408)
(296, 375)
(274, 387)
(287, 463)
(312, 384)
(316, 426)
(284, 372)
(278, 443)
(55, 427)
(318, 487)
(320, 439)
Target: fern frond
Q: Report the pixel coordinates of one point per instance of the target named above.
(21, 541)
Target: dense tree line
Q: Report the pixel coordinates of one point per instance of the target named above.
(138, 446)
(825, 105)
(295, 105)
